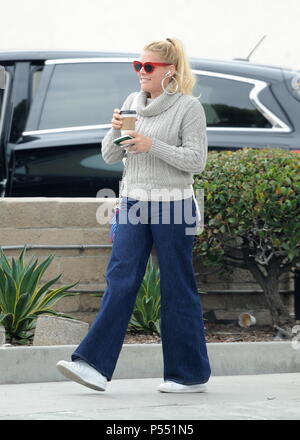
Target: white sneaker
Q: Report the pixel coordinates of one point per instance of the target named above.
(81, 372)
(174, 387)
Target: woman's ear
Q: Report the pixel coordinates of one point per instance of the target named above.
(172, 70)
(170, 73)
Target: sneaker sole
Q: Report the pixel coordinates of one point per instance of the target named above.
(195, 390)
(69, 374)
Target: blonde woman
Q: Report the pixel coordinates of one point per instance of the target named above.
(168, 146)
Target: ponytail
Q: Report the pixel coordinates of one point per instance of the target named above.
(172, 51)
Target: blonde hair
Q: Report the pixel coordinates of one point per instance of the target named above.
(172, 51)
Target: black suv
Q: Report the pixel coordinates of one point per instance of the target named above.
(56, 107)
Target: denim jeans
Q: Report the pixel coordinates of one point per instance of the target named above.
(184, 349)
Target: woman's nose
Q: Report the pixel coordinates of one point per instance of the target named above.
(143, 70)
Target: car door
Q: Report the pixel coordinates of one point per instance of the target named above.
(59, 153)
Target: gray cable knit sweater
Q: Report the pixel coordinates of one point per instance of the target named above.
(177, 125)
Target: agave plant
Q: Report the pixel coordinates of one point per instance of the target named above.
(146, 313)
(22, 298)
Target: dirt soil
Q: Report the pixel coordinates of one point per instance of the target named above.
(214, 333)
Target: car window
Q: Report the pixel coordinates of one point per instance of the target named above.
(86, 93)
(226, 103)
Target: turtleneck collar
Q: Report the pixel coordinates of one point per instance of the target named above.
(157, 105)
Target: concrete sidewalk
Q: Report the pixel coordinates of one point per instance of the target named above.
(249, 397)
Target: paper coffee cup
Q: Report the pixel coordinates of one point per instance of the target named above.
(246, 320)
(129, 120)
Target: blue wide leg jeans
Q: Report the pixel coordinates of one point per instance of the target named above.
(139, 226)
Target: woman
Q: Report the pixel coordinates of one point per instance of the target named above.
(168, 145)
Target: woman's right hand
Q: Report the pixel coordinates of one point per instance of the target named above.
(117, 120)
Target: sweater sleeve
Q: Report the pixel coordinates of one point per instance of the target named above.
(112, 153)
(191, 155)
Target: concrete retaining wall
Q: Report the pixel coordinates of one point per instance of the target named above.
(222, 306)
(60, 221)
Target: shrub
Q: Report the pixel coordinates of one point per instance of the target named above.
(146, 313)
(252, 217)
(22, 298)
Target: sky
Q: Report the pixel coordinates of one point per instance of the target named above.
(215, 29)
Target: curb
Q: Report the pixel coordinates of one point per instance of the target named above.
(38, 363)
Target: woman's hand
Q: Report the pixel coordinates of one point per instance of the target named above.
(139, 143)
(117, 120)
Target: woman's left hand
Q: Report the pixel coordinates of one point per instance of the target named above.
(139, 143)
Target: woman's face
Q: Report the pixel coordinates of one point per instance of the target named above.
(151, 82)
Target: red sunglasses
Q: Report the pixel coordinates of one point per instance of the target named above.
(148, 67)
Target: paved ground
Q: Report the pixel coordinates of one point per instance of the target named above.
(255, 397)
